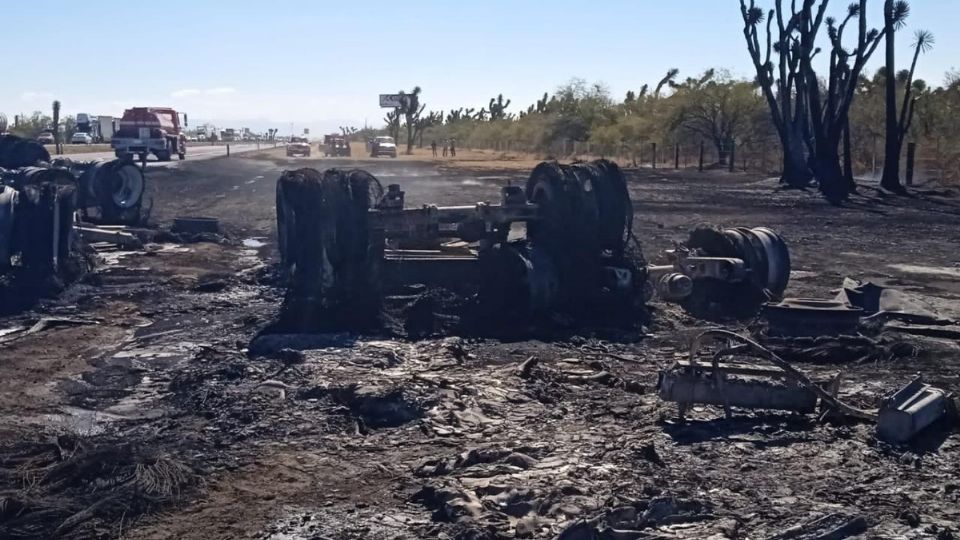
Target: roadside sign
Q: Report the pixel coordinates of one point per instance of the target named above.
(392, 101)
(306, 131)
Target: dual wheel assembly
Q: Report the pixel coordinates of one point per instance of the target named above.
(574, 258)
(766, 260)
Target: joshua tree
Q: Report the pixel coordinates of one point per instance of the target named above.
(56, 125)
(434, 118)
(667, 80)
(810, 118)
(411, 108)
(781, 84)
(894, 18)
(498, 108)
(392, 120)
(542, 103)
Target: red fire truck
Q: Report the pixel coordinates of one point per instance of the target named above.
(150, 130)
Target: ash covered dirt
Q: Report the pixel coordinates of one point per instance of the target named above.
(371, 436)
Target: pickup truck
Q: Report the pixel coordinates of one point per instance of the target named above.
(298, 146)
(335, 145)
(382, 146)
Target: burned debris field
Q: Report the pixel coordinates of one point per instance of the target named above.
(256, 383)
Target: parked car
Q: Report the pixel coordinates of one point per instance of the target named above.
(81, 138)
(46, 137)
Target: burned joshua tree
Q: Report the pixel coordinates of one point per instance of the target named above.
(809, 112)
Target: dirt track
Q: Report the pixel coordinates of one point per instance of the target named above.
(375, 437)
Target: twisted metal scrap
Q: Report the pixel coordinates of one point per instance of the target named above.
(789, 371)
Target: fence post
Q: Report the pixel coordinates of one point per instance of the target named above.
(733, 156)
(228, 150)
(911, 156)
(701, 156)
(676, 155)
(653, 160)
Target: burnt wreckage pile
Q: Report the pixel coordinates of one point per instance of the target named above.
(561, 244)
(39, 200)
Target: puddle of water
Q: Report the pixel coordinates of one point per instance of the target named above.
(12, 330)
(939, 271)
(172, 248)
(135, 406)
(249, 257)
(112, 258)
(255, 242)
(77, 420)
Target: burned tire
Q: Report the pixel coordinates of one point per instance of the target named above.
(286, 229)
(559, 196)
(16, 152)
(119, 187)
(6, 144)
(323, 225)
(36, 225)
(8, 205)
(607, 212)
(765, 257)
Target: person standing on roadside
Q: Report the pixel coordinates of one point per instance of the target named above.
(433, 146)
(445, 148)
(453, 148)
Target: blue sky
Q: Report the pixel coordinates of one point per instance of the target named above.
(322, 64)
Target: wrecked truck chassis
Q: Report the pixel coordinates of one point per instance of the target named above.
(37, 205)
(576, 220)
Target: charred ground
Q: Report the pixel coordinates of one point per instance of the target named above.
(373, 436)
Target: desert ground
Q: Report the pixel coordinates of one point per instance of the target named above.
(138, 405)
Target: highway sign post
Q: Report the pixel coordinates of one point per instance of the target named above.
(392, 101)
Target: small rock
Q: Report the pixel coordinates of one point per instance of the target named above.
(527, 527)
(211, 286)
(911, 518)
(520, 460)
(649, 453)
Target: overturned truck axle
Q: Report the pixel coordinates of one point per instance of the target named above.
(558, 243)
(37, 205)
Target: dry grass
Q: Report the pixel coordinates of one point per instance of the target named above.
(465, 159)
(69, 149)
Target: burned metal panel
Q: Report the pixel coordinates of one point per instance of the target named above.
(910, 410)
(699, 388)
